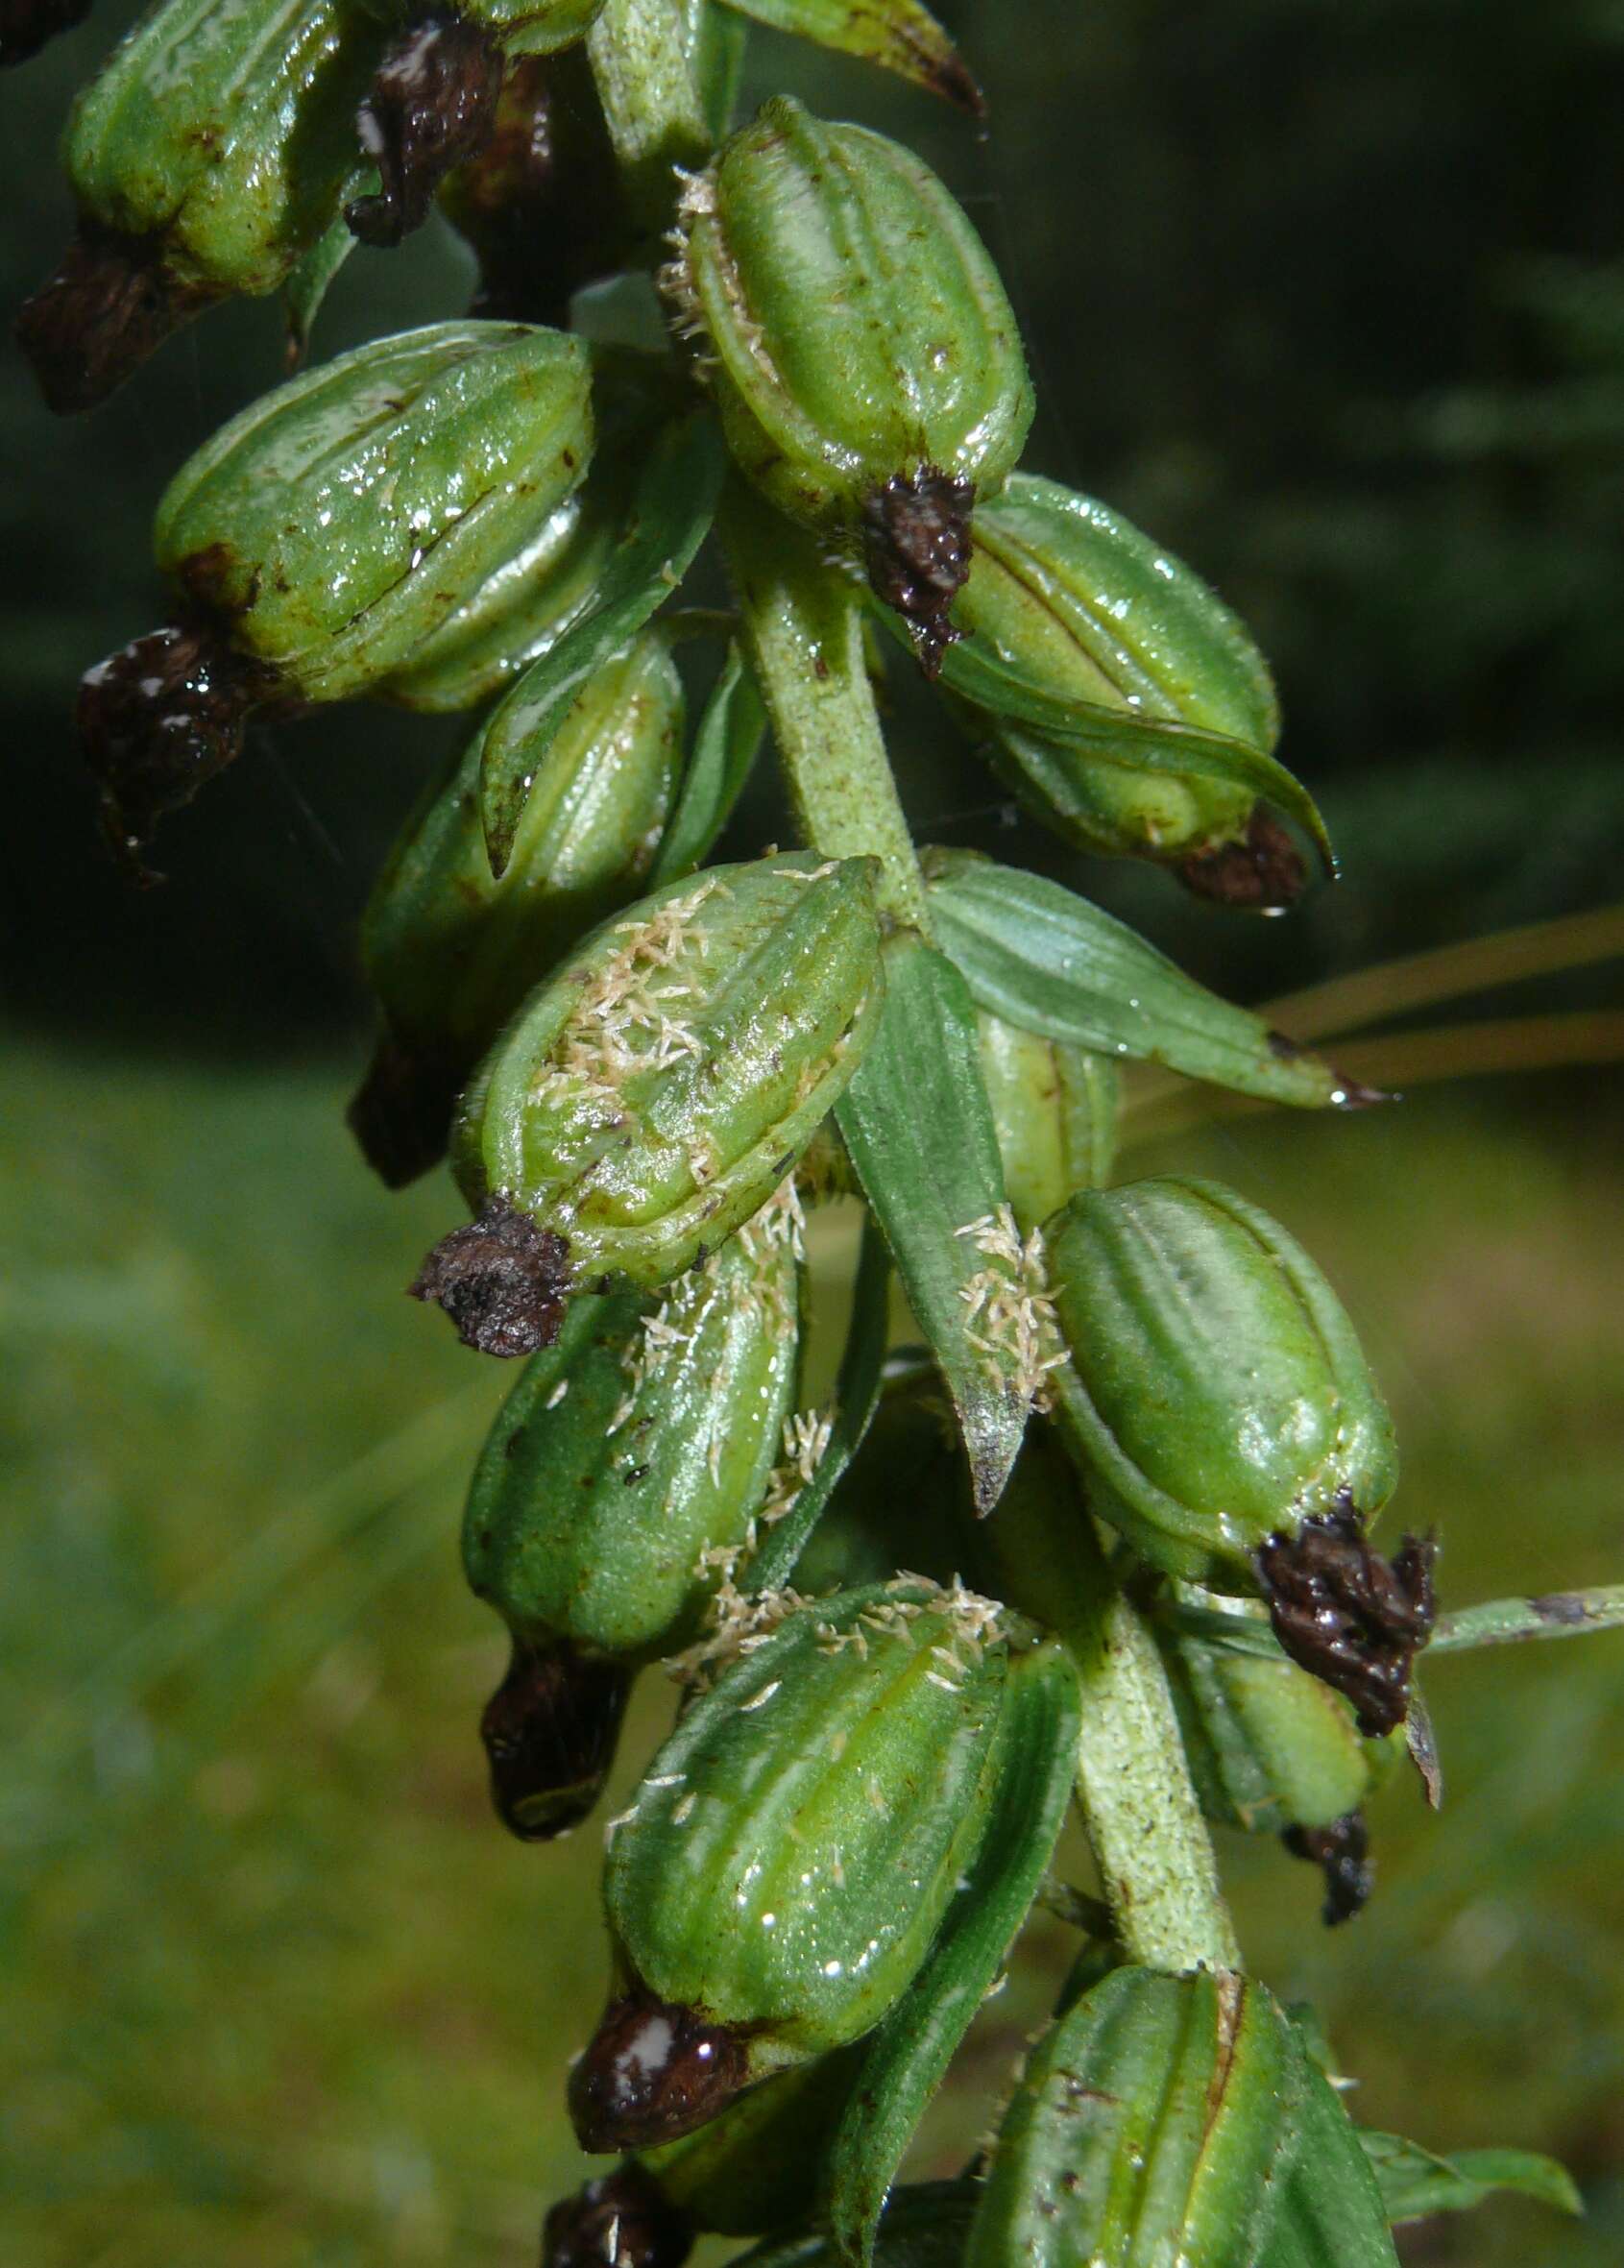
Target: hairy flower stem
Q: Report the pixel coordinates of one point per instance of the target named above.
(802, 623)
(1149, 1841)
(651, 102)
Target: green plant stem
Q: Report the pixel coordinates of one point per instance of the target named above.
(1149, 1841)
(651, 102)
(802, 624)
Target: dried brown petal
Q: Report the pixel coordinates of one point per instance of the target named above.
(1342, 1853)
(549, 1731)
(624, 2220)
(159, 718)
(432, 105)
(652, 2071)
(502, 1281)
(1261, 873)
(916, 548)
(401, 1112)
(109, 304)
(1349, 1616)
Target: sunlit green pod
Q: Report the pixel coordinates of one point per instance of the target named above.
(792, 1851)
(1269, 1746)
(1145, 2130)
(1215, 1389)
(637, 1453)
(1055, 1110)
(451, 951)
(205, 158)
(858, 340)
(1125, 704)
(332, 527)
(654, 1093)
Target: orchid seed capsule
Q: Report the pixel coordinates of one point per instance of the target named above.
(656, 1091)
(327, 532)
(1264, 1413)
(451, 951)
(549, 1732)
(208, 156)
(627, 1469)
(859, 345)
(1143, 675)
(794, 1850)
(1146, 2127)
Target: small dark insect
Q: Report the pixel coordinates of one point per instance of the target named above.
(502, 1281)
(623, 2220)
(1349, 1616)
(1342, 1853)
(652, 2071)
(432, 105)
(549, 1731)
(916, 548)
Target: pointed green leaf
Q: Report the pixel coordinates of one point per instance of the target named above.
(856, 1395)
(671, 511)
(898, 34)
(1144, 744)
(308, 284)
(1037, 1765)
(725, 746)
(1047, 960)
(1415, 2182)
(920, 1132)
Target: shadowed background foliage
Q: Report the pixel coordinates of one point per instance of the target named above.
(1331, 300)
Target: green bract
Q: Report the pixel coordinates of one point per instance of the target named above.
(336, 524)
(634, 1456)
(520, 27)
(653, 1096)
(790, 1858)
(1215, 1389)
(1055, 1107)
(1145, 2130)
(451, 951)
(856, 330)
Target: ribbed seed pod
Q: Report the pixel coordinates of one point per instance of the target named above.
(629, 1465)
(1144, 671)
(335, 526)
(206, 159)
(1260, 1410)
(1145, 2130)
(324, 534)
(1055, 1108)
(451, 951)
(793, 1852)
(655, 1092)
(859, 344)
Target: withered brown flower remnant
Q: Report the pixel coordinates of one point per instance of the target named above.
(433, 106)
(916, 548)
(1349, 1616)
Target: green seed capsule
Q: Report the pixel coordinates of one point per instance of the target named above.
(1216, 1389)
(336, 524)
(451, 951)
(656, 1091)
(635, 1455)
(1270, 1748)
(206, 159)
(1144, 2132)
(791, 1856)
(1054, 1108)
(860, 347)
(1074, 613)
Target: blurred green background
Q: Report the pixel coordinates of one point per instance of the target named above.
(1332, 300)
